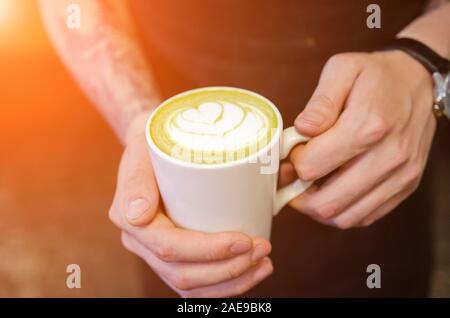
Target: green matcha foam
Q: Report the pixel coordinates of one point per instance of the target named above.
(213, 125)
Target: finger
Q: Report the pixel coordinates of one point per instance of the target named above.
(173, 244)
(236, 286)
(349, 137)
(384, 209)
(137, 193)
(297, 204)
(327, 101)
(425, 145)
(287, 174)
(354, 180)
(421, 156)
(402, 182)
(404, 179)
(188, 276)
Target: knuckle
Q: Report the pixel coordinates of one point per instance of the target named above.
(326, 211)
(113, 216)
(125, 242)
(337, 59)
(233, 272)
(350, 60)
(343, 224)
(412, 176)
(375, 129)
(321, 102)
(162, 250)
(180, 280)
(306, 171)
(400, 157)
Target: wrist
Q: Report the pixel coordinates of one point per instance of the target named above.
(432, 30)
(409, 70)
(410, 77)
(438, 68)
(440, 47)
(136, 127)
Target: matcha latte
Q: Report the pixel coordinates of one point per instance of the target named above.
(213, 125)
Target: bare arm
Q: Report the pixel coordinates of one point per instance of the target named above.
(433, 27)
(109, 66)
(105, 59)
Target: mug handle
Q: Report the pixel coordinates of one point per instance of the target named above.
(290, 138)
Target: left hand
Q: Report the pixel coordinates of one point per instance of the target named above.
(372, 126)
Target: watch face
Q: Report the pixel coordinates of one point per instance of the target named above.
(442, 93)
(447, 96)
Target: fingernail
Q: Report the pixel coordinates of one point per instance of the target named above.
(310, 118)
(263, 272)
(137, 208)
(259, 252)
(240, 247)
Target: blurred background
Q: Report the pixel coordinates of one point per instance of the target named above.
(58, 163)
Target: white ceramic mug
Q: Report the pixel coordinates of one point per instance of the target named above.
(231, 196)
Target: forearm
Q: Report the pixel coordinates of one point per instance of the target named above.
(432, 28)
(105, 59)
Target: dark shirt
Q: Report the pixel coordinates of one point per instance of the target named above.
(278, 48)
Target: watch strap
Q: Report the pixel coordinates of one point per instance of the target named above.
(432, 61)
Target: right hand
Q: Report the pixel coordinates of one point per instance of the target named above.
(193, 264)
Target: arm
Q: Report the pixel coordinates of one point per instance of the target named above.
(373, 126)
(432, 28)
(106, 61)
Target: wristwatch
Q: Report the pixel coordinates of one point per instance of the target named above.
(438, 66)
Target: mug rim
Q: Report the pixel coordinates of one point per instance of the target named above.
(212, 166)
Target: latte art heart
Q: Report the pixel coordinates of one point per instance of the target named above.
(219, 125)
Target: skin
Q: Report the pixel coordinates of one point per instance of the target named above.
(373, 127)
(192, 264)
(370, 118)
(375, 141)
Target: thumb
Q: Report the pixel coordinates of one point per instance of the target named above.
(328, 99)
(136, 186)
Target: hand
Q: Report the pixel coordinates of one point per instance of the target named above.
(372, 125)
(193, 264)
